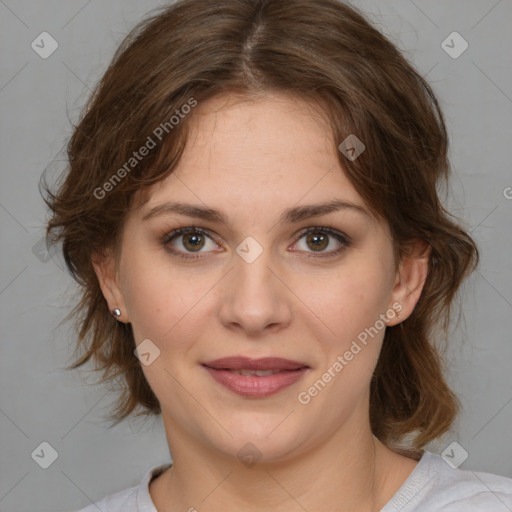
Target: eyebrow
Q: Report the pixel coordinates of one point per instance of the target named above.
(291, 215)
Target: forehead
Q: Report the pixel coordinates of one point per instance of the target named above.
(275, 128)
(256, 161)
(278, 145)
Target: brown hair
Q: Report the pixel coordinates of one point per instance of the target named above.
(325, 52)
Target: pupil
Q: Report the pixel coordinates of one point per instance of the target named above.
(193, 241)
(318, 240)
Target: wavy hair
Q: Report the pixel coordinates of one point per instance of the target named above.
(324, 51)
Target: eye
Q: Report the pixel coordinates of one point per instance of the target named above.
(188, 240)
(317, 239)
(184, 242)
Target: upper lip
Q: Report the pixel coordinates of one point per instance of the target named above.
(246, 363)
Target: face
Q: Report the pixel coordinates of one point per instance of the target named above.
(254, 265)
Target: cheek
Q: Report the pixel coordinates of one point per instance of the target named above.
(165, 300)
(352, 307)
(352, 298)
(160, 299)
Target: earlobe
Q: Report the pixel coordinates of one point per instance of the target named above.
(106, 272)
(410, 279)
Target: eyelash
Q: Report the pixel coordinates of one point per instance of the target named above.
(340, 237)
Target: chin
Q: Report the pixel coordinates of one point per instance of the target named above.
(268, 439)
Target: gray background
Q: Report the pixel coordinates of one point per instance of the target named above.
(39, 98)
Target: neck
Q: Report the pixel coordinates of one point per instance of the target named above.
(350, 471)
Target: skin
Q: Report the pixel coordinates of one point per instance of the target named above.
(252, 159)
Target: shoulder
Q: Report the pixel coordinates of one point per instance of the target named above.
(125, 501)
(134, 499)
(435, 485)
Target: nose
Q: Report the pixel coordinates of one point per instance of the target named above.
(254, 298)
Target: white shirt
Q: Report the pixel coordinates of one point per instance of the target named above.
(433, 486)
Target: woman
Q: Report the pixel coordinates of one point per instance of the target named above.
(251, 210)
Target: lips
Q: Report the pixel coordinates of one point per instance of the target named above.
(255, 378)
(245, 363)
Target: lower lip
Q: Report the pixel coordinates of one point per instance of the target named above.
(252, 386)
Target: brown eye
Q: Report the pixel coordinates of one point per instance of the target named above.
(317, 241)
(193, 241)
(186, 241)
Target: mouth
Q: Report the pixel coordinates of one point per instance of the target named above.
(255, 378)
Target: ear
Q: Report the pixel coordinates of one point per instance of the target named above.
(409, 281)
(105, 267)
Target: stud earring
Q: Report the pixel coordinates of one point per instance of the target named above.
(116, 313)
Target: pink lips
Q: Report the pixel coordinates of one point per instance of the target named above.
(284, 373)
